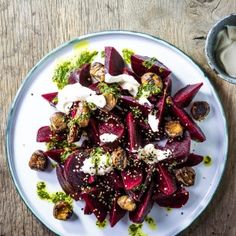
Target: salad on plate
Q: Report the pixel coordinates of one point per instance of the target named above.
(120, 139)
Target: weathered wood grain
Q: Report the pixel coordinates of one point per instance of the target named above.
(31, 28)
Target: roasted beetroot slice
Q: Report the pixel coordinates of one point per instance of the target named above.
(180, 149)
(63, 182)
(114, 63)
(71, 169)
(87, 210)
(128, 71)
(84, 77)
(144, 207)
(137, 64)
(111, 126)
(134, 138)
(55, 154)
(168, 84)
(184, 96)
(51, 98)
(99, 210)
(132, 178)
(161, 109)
(95, 88)
(92, 131)
(81, 75)
(194, 130)
(74, 76)
(44, 134)
(193, 160)
(115, 180)
(146, 182)
(116, 213)
(130, 102)
(167, 183)
(176, 200)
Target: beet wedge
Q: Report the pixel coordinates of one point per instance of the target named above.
(167, 184)
(177, 200)
(92, 131)
(51, 98)
(68, 189)
(168, 84)
(161, 109)
(132, 178)
(95, 88)
(87, 210)
(180, 149)
(130, 102)
(81, 75)
(114, 63)
(55, 154)
(111, 126)
(194, 130)
(72, 169)
(115, 180)
(192, 160)
(138, 65)
(128, 71)
(144, 207)
(44, 134)
(99, 210)
(184, 96)
(134, 138)
(146, 182)
(116, 213)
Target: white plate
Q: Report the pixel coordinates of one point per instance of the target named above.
(29, 112)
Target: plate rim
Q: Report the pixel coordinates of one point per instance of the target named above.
(85, 37)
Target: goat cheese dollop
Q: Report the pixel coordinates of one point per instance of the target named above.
(76, 92)
(153, 122)
(152, 155)
(97, 163)
(108, 138)
(127, 82)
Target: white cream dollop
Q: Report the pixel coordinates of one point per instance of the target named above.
(127, 82)
(143, 101)
(108, 138)
(226, 49)
(104, 166)
(152, 155)
(76, 92)
(153, 122)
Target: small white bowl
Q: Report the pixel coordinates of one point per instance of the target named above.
(210, 43)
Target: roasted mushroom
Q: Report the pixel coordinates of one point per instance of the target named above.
(200, 110)
(185, 175)
(62, 210)
(126, 203)
(82, 114)
(73, 133)
(111, 101)
(119, 158)
(152, 78)
(173, 128)
(38, 161)
(97, 71)
(58, 122)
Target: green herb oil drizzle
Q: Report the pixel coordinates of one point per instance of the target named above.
(150, 222)
(101, 225)
(136, 230)
(207, 161)
(52, 197)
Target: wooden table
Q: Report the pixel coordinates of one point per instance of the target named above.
(31, 28)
